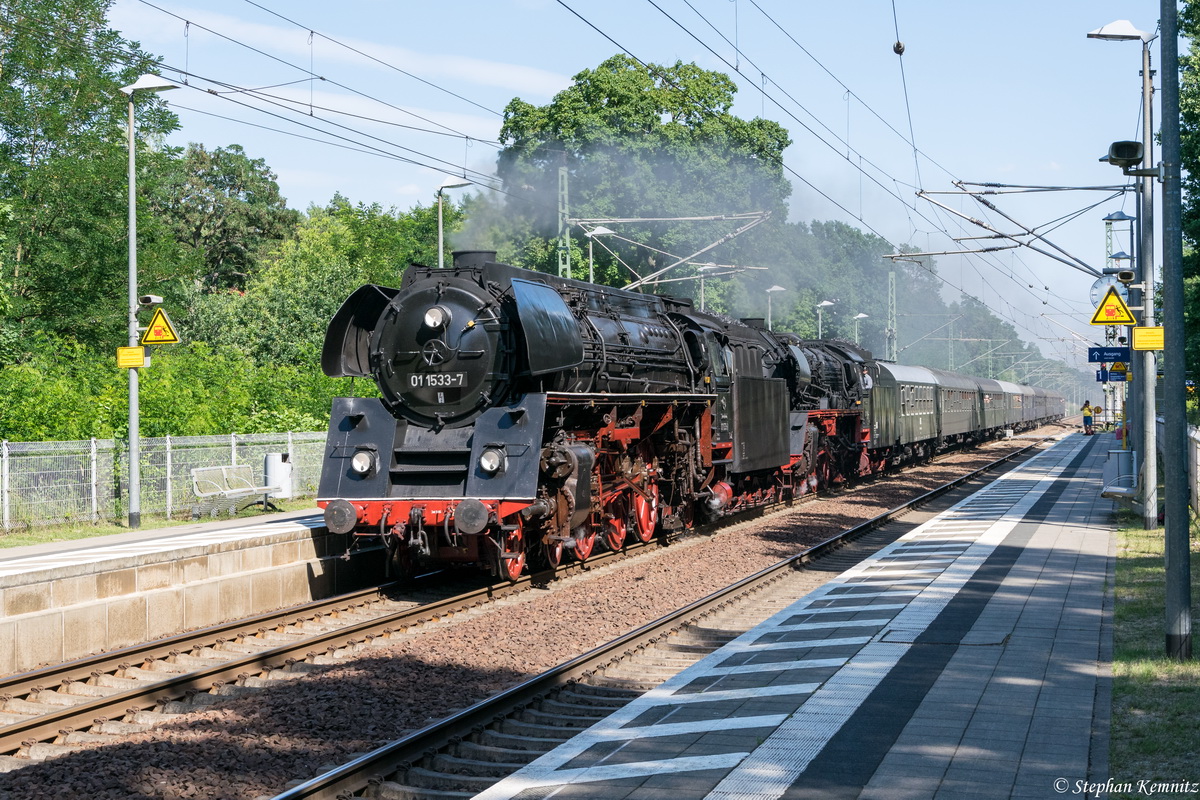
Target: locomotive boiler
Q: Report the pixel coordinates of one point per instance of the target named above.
(526, 418)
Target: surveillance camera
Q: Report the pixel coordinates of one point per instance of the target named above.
(149, 300)
(1125, 154)
(1125, 276)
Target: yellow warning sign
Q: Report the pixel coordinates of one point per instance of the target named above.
(1118, 366)
(160, 330)
(1112, 310)
(131, 357)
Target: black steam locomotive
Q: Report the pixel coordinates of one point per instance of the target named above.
(525, 416)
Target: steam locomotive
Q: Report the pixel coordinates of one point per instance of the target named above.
(525, 418)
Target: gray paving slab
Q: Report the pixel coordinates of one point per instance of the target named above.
(975, 671)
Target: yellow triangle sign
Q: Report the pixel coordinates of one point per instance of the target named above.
(160, 330)
(1112, 310)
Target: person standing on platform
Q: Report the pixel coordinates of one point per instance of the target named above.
(1088, 418)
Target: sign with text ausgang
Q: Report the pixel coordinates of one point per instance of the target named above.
(1102, 355)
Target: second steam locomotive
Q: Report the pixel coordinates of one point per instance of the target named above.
(524, 417)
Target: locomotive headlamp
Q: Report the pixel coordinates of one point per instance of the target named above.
(362, 462)
(437, 318)
(492, 460)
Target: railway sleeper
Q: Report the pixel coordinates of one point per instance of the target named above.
(157, 671)
(419, 777)
(106, 681)
(565, 708)
(85, 690)
(475, 751)
(658, 666)
(7, 718)
(196, 702)
(147, 718)
(555, 718)
(533, 729)
(493, 737)
(232, 690)
(84, 737)
(45, 751)
(699, 648)
(27, 708)
(297, 669)
(632, 684)
(55, 698)
(272, 678)
(12, 763)
(602, 695)
(458, 766)
(118, 728)
(244, 647)
(192, 661)
(390, 790)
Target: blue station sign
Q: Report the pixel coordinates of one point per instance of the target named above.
(1102, 376)
(1101, 355)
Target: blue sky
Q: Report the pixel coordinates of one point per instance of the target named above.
(1009, 92)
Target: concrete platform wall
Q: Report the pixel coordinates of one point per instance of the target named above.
(87, 608)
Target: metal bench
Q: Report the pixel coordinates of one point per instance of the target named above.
(1123, 489)
(1120, 480)
(220, 488)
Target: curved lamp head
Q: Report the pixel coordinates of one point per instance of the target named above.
(1120, 31)
(149, 83)
(452, 182)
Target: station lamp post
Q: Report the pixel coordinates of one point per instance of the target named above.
(449, 183)
(594, 232)
(857, 317)
(145, 83)
(1123, 31)
(772, 290)
(1176, 549)
(821, 306)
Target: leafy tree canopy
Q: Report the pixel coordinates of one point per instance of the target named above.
(63, 165)
(226, 210)
(641, 141)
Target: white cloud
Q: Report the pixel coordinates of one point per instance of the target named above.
(155, 29)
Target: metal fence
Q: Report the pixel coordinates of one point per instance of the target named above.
(1193, 460)
(44, 483)
(1193, 451)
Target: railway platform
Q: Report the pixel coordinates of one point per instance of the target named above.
(68, 599)
(970, 658)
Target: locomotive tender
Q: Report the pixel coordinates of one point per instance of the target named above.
(524, 416)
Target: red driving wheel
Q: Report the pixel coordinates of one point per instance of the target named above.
(512, 557)
(645, 512)
(614, 525)
(585, 542)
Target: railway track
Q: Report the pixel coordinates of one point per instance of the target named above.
(53, 711)
(47, 712)
(467, 752)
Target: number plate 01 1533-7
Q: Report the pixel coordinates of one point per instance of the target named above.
(437, 380)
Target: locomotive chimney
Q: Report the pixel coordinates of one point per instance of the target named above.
(469, 259)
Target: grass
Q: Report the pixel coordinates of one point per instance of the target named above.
(1156, 700)
(43, 534)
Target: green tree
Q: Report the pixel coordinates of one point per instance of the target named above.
(281, 316)
(63, 166)
(1189, 108)
(225, 209)
(640, 141)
